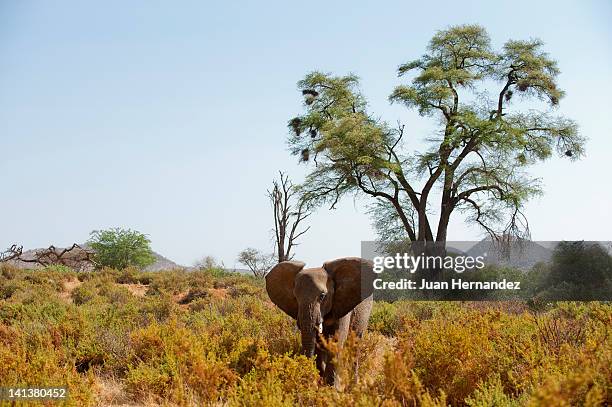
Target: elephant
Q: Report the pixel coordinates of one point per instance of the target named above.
(326, 301)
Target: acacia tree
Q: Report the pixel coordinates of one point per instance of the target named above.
(120, 248)
(477, 162)
(290, 210)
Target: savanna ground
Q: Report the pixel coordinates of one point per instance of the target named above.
(209, 338)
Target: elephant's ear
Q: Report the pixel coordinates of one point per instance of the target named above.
(279, 285)
(353, 283)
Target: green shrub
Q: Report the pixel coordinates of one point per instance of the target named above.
(8, 288)
(115, 294)
(384, 318)
(171, 282)
(83, 294)
(128, 275)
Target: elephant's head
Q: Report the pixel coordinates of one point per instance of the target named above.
(317, 296)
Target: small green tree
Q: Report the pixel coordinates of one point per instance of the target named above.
(479, 159)
(119, 248)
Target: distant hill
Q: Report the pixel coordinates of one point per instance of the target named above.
(162, 263)
(521, 254)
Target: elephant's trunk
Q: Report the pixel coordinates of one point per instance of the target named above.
(308, 342)
(309, 326)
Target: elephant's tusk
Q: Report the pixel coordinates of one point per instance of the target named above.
(320, 327)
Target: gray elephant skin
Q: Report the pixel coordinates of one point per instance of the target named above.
(326, 301)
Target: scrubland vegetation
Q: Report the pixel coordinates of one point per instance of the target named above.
(211, 338)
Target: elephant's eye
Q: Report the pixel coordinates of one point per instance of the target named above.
(322, 296)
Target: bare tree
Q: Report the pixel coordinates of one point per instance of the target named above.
(12, 253)
(257, 262)
(290, 209)
(75, 256)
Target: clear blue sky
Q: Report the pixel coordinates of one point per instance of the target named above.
(170, 117)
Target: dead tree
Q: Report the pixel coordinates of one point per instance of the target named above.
(290, 209)
(12, 253)
(75, 256)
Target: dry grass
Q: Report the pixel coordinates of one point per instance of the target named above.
(205, 338)
(112, 393)
(68, 287)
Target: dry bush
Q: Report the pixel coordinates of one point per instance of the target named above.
(8, 271)
(554, 332)
(450, 356)
(515, 307)
(233, 347)
(172, 363)
(30, 356)
(171, 282)
(278, 380)
(194, 293)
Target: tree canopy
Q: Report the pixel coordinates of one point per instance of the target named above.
(490, 133)
(119, 248)
(580, 263)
